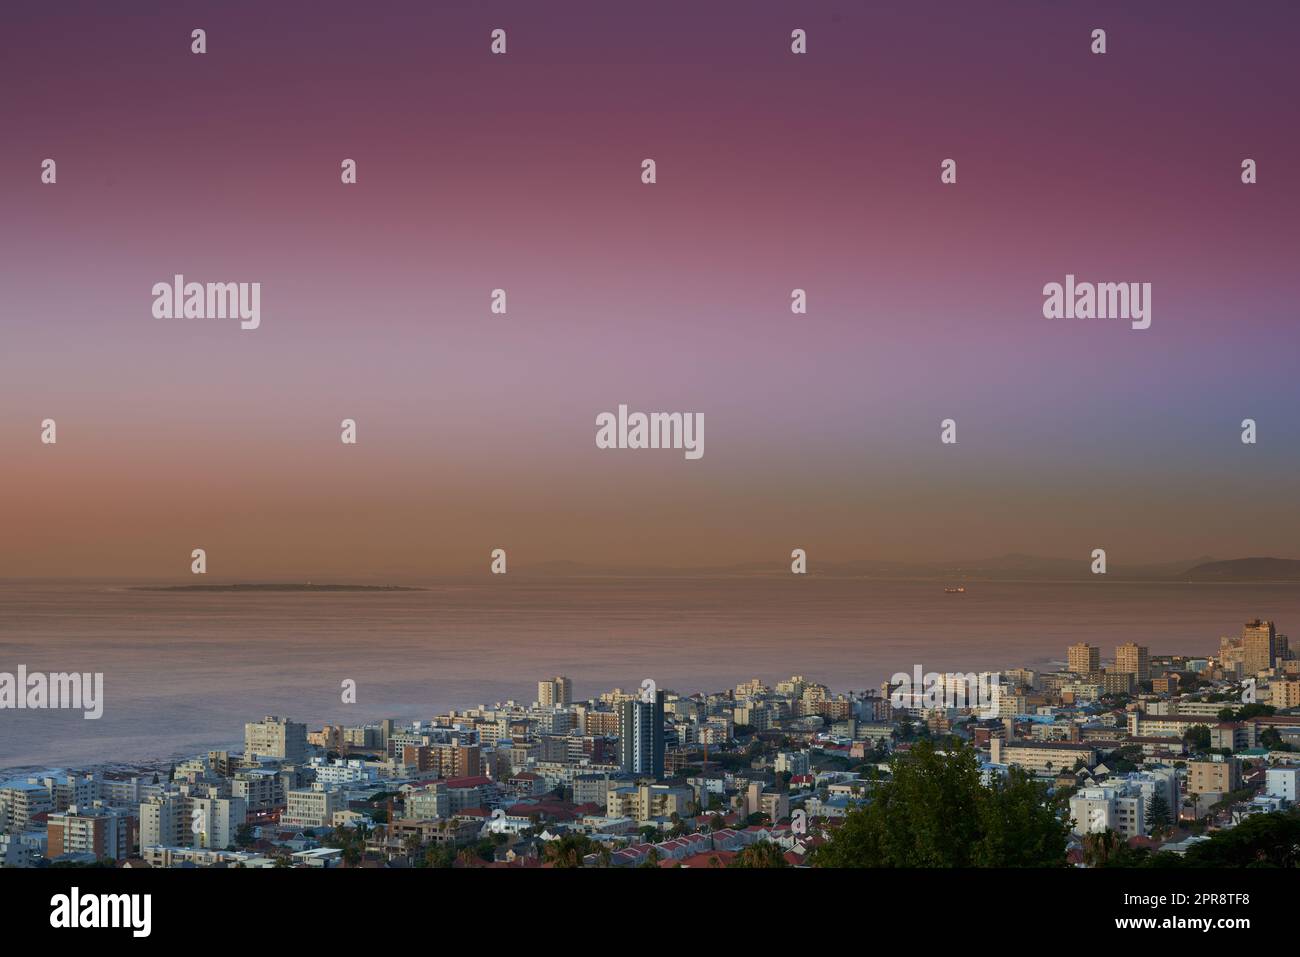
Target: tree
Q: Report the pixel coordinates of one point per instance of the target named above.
(569, 850)
(1197, 737)
(761, 854)
(435, 856)
(1098, 846)
(1158, 816)
(935, 811)
(1270, 739)
(1261, 840)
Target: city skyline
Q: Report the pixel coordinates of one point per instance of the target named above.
(626, 777)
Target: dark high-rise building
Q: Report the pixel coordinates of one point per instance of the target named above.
(641, 736)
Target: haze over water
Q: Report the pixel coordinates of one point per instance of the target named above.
(183, 671)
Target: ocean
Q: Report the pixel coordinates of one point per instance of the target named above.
(183, 670)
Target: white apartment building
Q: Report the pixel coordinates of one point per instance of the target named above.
(20, 801)
(277, 738)
(163, 821)
(260, 789)
(1282, 783)
(312, 807)
(68, 789)
(1098, 809)
(121, 793)
(215, 822)
(352, 771)
(1150, 782)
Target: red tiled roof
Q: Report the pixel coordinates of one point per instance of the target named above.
(474, 782)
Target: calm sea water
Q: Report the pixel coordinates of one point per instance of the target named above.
(184, 671)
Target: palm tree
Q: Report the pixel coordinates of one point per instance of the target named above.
(762, 854)
(569, 850)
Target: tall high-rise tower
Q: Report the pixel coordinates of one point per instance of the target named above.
(1134, 659)
(1258, 646)
(1084, 658)
(641, 736)
(555, 692)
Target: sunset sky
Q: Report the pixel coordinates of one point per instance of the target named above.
(522, 171)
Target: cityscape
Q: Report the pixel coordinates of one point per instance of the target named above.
(1134, 760)
(357, 512)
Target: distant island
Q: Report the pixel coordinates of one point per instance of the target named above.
(1247, 569)
(288, 587)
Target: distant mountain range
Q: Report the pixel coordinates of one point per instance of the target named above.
(1247, 569)
(1014, 567)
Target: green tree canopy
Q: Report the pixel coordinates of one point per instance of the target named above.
(760, 854)
(936, 812)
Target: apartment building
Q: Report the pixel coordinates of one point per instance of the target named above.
(1134, 659)
(103, 832)
(277, 738)
(164, 821)
(215, 821)
(1258, 646)
(1041, 757)
(260, 789)
(555, 692)
(1283, 783)
(430, 803)
(1083, 658)
(1216, 775)
(20, 801)
(312, 807)
(646, 801)
(1097, 809)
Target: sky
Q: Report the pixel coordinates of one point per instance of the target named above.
(775, 171)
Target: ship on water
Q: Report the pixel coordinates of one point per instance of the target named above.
(955, 590)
